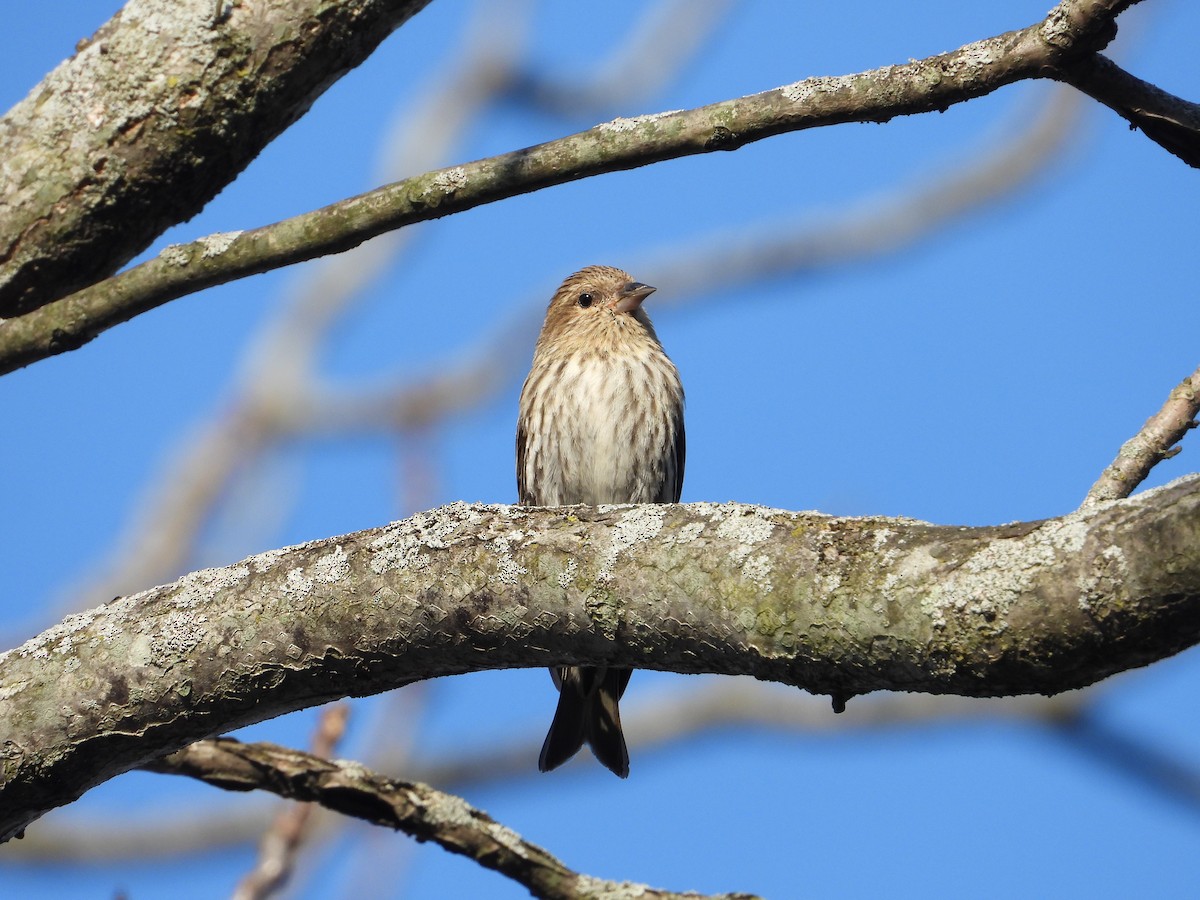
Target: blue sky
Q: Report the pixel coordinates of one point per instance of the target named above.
(984, 374)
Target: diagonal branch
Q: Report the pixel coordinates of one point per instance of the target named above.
(835, 605)
(419, 810)
(1073, 30)
(1155, 442)
(1169, 121)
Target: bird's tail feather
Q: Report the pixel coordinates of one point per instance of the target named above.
(603, 723)
(568, 729)
(587, 711)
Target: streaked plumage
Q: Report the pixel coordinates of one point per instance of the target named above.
(601, 421)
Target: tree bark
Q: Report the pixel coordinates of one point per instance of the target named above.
(833, 605)
(151, 118)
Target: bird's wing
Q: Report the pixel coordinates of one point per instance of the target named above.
(680, 456)
(523, 496)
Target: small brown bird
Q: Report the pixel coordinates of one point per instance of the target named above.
(601, 421)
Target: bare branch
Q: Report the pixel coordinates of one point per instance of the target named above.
(834, 605)
(1074, 28)
(1169, 121)
(651, 722)
(423, 812)
(1154, 442)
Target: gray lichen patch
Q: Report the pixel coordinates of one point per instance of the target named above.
(994, 577)
(747, 528)
(567, 575)
(450, 180)
(633, 123)
(58, 637)
(508, 571)
(636, 524)
(973, 60)
(178, 634)
(175, 255)
(1057, 29)
(331, 568)
(201, 587)
(296, 585)
(404, 545)
(451, 810)
(804, 91)
(267, 560)
(216, 244)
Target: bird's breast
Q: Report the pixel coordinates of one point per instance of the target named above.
(607, 432)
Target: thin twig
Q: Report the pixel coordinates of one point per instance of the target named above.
(420, 811)
(1154, 442)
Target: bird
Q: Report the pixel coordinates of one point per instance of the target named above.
(600, 420)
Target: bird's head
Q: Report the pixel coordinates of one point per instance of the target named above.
(596, 303)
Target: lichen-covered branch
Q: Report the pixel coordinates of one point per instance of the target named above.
(834, 605)
(419, 810)
(1155, 441)
(151, 118)
(1073, 30)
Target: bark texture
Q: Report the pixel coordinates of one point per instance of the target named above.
(837, 606)
(151, 118)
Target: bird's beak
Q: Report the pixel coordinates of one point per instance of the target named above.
(630, 296)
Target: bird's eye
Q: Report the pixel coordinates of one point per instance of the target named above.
(585, 299)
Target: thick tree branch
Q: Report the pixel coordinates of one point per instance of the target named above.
(834, 605)
(1073, 30)
(419, 810)
(1153, 443)
(151, 118)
